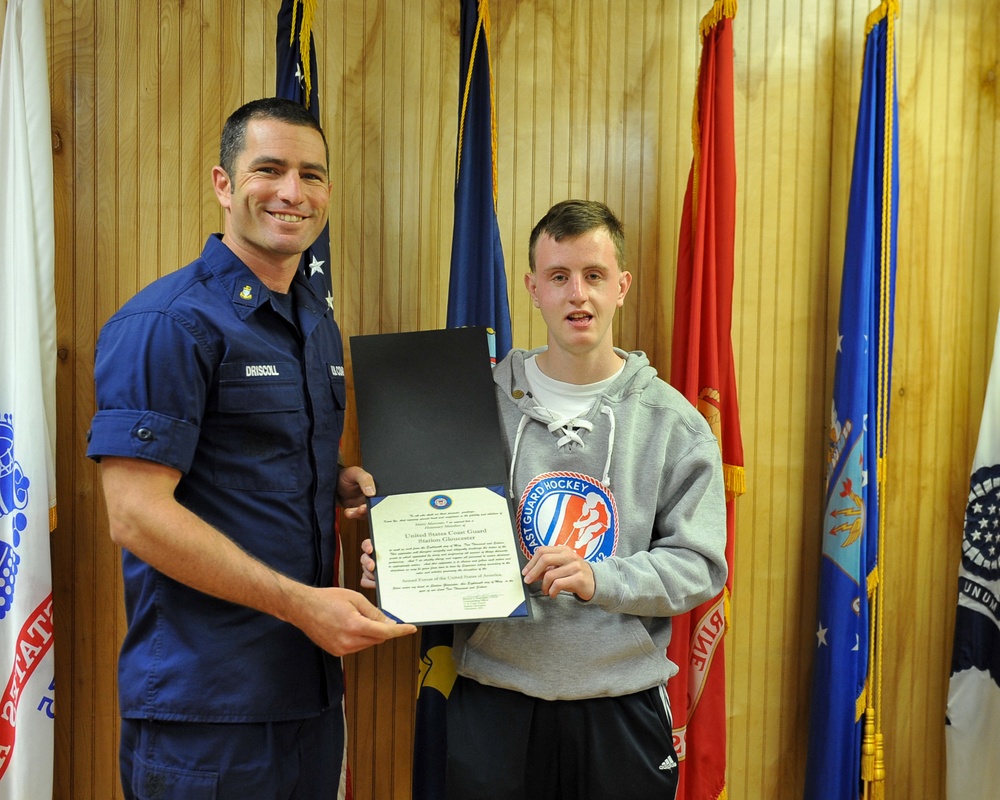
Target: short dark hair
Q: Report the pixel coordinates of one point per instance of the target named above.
(234, 133)
(572, 218)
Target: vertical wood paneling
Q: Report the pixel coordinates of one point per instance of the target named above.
(594, 99)
(946, 313)
(59, 46)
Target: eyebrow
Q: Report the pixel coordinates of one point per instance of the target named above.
(281, 162)
(598, 267)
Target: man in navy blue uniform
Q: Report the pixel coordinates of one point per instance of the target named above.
(220, 406)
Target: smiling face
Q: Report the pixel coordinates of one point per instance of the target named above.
(277, 198)
(577, 285)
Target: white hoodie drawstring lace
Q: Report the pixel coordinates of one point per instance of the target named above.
(569, 427)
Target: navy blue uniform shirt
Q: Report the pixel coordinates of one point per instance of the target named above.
(201, 372)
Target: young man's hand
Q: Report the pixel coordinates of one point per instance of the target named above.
(560, 569)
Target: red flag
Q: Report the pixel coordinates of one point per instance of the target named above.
(702, 369)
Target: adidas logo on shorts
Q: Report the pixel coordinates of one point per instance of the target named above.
(668, 763)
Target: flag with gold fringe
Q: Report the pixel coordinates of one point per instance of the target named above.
(972, 731)
(845, 738)
(702, 369)
(27, 407)
(477, 296)
(296, 79)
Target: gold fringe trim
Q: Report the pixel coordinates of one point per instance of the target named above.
(727, 611)
(736, 480)
(723, 795)
(305, 40)
(53, 519)
(873, 581)
(723, 9)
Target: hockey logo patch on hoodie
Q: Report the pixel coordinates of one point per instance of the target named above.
(568, 508)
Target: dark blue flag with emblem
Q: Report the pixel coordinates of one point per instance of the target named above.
(477, 296)
(297, 80)
(972, 730)
(845, 712)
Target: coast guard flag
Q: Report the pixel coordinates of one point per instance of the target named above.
(27, 407)
(972, 733)
(477, 296)
(296, 80)
(295, 57)
(845, 676)
(702, 369)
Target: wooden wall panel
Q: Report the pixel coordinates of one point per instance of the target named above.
(947, 303)
(594, 98)
(784, 71)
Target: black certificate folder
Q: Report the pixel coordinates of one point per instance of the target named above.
(427, 411)
(441, 523)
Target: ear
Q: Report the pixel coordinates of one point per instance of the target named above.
(223, 186)
(624, 282)
(530, 280)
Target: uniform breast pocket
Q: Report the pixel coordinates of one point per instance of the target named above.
(259, 435)
(338, 388)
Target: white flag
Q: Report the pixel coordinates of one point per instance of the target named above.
(972, 733)
(27, 407)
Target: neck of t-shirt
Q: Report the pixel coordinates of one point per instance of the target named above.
(564, 400)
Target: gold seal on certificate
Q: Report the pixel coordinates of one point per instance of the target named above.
(441, 524)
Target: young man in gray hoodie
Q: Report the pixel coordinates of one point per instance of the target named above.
(617, 482)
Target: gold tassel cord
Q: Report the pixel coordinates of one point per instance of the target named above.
(484, 15)
(873, 745)
(482, 27)
(305, 40)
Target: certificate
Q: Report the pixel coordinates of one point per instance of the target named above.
(442, 523)
(446, 556)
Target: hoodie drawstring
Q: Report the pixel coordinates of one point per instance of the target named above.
(569, 428)
(525, 419)
(607, 410)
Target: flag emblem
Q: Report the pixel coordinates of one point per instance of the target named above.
(571, 509)
(981, 544)
(13, 497)
(845, 517)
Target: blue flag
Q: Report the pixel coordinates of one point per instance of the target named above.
(296, 80)
(849, 569)
(477, 295)
(477, 292)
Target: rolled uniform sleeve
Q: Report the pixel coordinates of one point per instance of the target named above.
(173, 367)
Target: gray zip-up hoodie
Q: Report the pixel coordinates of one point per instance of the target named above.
(637, 490)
